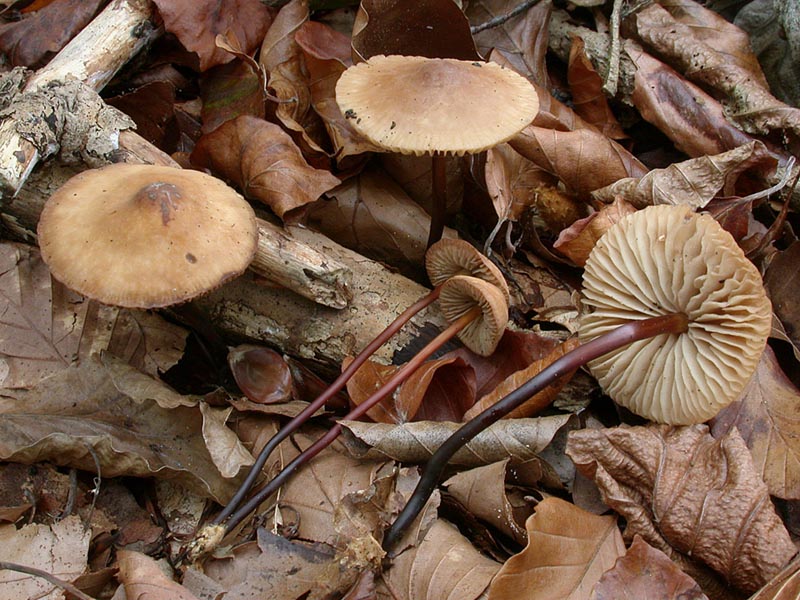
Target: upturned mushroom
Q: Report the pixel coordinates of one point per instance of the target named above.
(144, 236)
(677, 321)
(463, 278)
(436, 106)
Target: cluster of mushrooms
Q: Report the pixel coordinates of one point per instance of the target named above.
(676, 316)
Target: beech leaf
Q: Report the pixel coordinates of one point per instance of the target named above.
(578, 240)
(263, 161)
(782, 281)
(646, 573)
(144, 580)
(685, 492)
(568, 551)
(767, 417)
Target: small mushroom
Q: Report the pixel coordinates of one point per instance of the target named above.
(143, 236)
(678, 321)
(477, 281)
(436, 106)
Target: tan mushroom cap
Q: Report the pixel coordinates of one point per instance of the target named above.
(143, 236)
(667, 259)
(416, 105)
(450, 256)
(459, 295)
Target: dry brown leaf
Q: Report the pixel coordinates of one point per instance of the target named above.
(568, 551)
(645, 573)
(32, 41)
(583, 160)
(577, 240)
(97, 411)
(197, 23)
(445, 566)
(439, 390)
(482, 491)
(749, 102)
(766, 416)
(694, 182)
(229, 91)
(588, 97)
(60, 549)
(326, 54)
(227, 452)
(536, 403)
(372, 215)
(782, 281)
(784, 586)
(46, 327)
(263, 161)
(685, 492)
(521, 439)
(522, 40)
(276, 568)
(432, 28)
(282, 58)
(144, 580)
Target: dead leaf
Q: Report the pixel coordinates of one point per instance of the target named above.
(226, 450)
(32, 41)
(60, 549)
(767, 416)
(783, 285)
(280, 569)
(372, 215)
(784, 586)
(261, 373)
(568, 551)
(144, 580)
(439, 390)
(536, 403)
(445, 566)
(578, 240)
(521, 439)
(229, 91)
(583, 160)
(588, 97)
(482, 491)
(431, 28)
(522, 39)
(644, 572)
(748, 100)
(46, 327)
(81, 413)
(685, 492)
(263, 161)
(694, 182)
(197, 23)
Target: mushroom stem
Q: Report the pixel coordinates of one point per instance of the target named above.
(674, 323)
(322, 399)
(399, 377)
(439, 187)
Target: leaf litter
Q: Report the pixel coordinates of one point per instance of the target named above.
(84, 401)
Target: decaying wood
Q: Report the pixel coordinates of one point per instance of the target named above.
(92, 57)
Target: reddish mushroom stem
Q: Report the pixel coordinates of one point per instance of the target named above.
(622, 336)
(399, 377)
(439, 188)
(322, 399)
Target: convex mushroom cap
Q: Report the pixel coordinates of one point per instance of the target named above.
(417, 105)
(462, 293)
(144, 236)
(451, 256)
(667, 259)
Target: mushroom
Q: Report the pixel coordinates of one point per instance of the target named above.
(479, 312)
(444, 260)
(436, 106)
(144, 236)
(674, 302)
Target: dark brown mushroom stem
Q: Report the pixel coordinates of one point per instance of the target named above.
(399, 377)
(323, 398)
(439, 188)
(675, 323)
